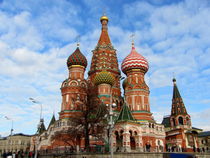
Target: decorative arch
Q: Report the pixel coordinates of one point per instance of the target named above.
(73, 83)
(83, 84)
(64, 84)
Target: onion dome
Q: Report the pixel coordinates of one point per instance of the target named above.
(104, 17)
(104, 77)
(77, 58)
(134, 61)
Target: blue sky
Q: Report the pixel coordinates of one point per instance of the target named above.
(36, 37)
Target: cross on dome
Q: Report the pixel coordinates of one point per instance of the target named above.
(132, 39)
(78, 40)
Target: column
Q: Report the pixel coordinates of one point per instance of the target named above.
(114, 141)
(139, 144)
(126, 142)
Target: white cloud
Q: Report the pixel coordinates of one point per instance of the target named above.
(38, 36)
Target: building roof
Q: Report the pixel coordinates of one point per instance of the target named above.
(176, 93)
(178, 107)
(21, 134)
(166, 121)
(194, 128)
(41, 128)
(204, 134)
(52, 121)
(125, 114)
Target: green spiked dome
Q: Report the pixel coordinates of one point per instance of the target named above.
(77, 58)
(104, 77)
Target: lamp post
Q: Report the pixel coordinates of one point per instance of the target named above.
(111, 126)
(37, 102)
(11, 122)
(39, 125)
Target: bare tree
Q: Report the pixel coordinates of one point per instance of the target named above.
(91, 119)
(68, 137)
(88, 120)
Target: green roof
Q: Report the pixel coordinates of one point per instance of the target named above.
(52, 120)
(41, 128)
(176, 93)
(125, 114)
(166, 121)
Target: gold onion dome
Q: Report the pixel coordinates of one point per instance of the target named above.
(104, 77)
(77, 58)
(104, 17)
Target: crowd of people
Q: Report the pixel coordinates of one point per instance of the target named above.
(19, 154)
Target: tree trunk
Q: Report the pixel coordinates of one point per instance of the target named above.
(87, 141)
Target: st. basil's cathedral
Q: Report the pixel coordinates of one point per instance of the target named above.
(135, 128)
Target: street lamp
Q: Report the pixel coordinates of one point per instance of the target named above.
(111, 126)
(39, 125)
(12, 123)
(37, 102)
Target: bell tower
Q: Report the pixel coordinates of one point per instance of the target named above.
(179, 117)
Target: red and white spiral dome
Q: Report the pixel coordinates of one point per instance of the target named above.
(134, 61)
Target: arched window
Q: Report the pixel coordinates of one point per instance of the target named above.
(181, 122)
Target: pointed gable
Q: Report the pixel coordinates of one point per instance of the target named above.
(52, 121)
(176, 93)
(41, 128)
(125, 114)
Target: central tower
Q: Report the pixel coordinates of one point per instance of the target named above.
(104, 59)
